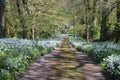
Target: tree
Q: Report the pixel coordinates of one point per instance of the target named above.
(33, 19)
(106, 9)
(117, 28)
(87, 19)
(2, 18)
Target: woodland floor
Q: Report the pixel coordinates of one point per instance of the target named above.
(63, 63)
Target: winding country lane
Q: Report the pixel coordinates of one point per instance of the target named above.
(63, 63)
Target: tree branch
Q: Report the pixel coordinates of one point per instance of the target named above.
(114, 5)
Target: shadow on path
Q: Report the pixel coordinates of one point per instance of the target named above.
(63, 63)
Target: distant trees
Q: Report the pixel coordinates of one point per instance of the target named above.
(28, 18)
(98, 18)
(33, 19)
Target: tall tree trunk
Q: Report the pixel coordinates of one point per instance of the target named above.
(87, 18)
(74, 24)
(33, 28)
(2, 18)
(104, 30)
(117, 29)
(33, 32)
(93, 18)
(24, 31)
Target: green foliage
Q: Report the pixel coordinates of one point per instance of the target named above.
(111, 67)
(13, 63)
(43, 18)
(107, 55)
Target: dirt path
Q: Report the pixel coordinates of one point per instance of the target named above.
(63, 63)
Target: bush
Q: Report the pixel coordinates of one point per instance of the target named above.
(106, 54)
(15, 55)
(13, 65)
(111, 67)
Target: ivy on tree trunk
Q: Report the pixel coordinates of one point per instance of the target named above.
(2, 18)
